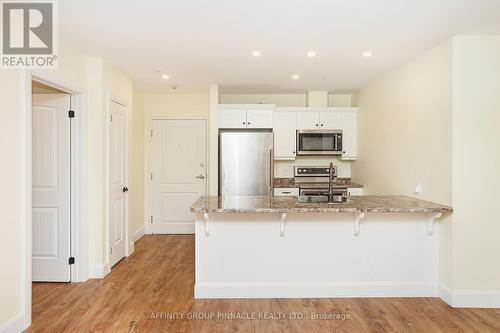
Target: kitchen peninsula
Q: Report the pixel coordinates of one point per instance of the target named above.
(268, 247)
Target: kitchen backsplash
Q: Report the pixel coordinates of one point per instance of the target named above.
(284, 169)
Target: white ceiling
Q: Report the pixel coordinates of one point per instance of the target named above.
(198, 43)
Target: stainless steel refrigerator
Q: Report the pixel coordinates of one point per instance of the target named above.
(245, 162)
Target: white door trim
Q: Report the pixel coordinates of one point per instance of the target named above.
(147, 169)
(128, 246)
(79, 271)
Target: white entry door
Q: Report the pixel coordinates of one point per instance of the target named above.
(178, 174)
(51, 156)
(117, 181)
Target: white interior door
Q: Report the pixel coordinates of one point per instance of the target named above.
(118, 181)
(178, 170)
(51, 247)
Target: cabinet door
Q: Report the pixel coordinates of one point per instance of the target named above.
(307, 120)
(286, 192)
(232, 118)
(330, 119)
(285, 125)
(354, 191)
(349, 136)
(259, 118)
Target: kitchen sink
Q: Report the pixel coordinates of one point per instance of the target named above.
(322, 198)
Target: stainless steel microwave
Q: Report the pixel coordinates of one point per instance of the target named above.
(319, 142)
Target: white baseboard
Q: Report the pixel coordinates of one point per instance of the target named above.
(14, 325)
(470, 298)
(138, 234)
(313, 290)
(99, 271)
(180, 228)
(445, 294)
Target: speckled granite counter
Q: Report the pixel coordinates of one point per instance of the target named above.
(356, 204)
(339, 183)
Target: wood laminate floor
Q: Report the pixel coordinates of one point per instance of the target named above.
(152, 289)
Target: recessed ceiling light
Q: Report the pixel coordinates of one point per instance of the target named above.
(165, 77)
(311, 54)
(367, 54)
(295, 76)
(256, 53)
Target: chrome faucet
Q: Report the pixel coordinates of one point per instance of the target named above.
(330, 184)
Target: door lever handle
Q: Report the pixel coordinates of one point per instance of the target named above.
(125, 189)
(201, 177)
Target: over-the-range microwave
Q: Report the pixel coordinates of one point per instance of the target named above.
(319, 142)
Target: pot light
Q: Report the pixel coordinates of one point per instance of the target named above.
(295, 76)
(165, 77)
(367, 54)
(311, 54)
(256, 53)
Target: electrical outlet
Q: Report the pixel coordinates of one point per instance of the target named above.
(418, 188)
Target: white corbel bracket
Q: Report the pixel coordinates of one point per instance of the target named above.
(431, 219)
(207, 224)
(282, 224)
(356, 219)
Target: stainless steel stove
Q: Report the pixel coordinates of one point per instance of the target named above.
(314, 181)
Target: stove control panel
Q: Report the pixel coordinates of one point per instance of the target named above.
(314, 171)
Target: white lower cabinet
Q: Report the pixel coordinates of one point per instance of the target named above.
(284, 191)
(352, 191)
(284, 126)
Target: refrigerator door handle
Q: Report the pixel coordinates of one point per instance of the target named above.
(271, 170)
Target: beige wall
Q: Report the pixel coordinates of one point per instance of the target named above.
(405, 135)
(138, 156)
(436, 121)
(476, 163)
(297, 100)
(278, 99)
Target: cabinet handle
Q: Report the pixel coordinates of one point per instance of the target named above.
(293, 152)
(322, 125)
(243, 123)
(286, 192)
(317, 125)
(248, 123)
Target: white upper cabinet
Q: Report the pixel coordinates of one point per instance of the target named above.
(233, 118)
(285, 126)
(330, 119)
(259, 118)
(246, 116)
(307, 120)
(319, 119)
(350, 134)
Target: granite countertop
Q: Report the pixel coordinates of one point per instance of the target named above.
(339, 183)
(356, 204)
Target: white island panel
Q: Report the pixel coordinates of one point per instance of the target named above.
(319, 255)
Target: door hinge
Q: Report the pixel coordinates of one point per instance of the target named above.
(71, 114)
(151, 133)
(151, 176)
(151, 220)
(111, 250)
(71, 260)
(111, 118)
